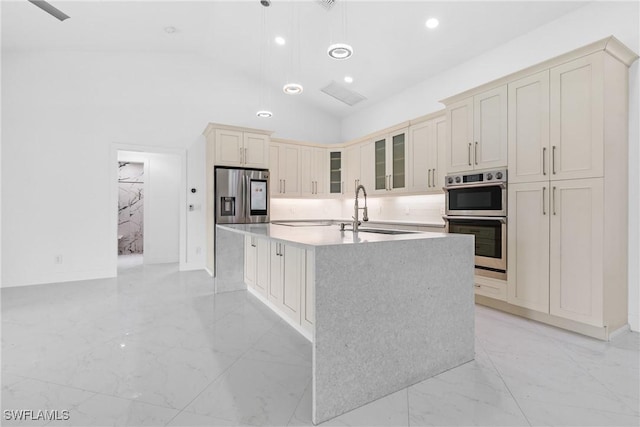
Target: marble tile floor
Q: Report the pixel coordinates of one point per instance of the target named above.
(155, 347)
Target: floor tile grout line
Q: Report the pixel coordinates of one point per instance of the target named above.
(293, 414)
(504, 382)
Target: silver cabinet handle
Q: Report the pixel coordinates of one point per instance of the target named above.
(553, 159)
(469, 154)
(475, 153)
(544, 190)
(429, 178)
(554, 200)
(544, 160)
(433, 178)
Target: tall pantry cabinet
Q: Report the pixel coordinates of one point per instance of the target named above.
(567, 193)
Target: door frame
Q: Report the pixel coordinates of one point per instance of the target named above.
(113, 199)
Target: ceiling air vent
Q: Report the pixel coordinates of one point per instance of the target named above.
(327, 4)
(343, 94)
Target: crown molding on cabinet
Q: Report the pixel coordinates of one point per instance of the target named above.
(211, 126)
(611, 45)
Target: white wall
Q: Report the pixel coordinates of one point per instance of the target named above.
(592, 22)
(61, 113)
(196, 218)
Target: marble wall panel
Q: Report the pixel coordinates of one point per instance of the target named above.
(130, 208)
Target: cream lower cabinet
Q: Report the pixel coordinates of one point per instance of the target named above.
(257, 264)
(250, 261)
(286, 276)
(555, 250)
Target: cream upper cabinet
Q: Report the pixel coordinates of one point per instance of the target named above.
(390, 161)
(313, 171)
(424, 153)
(528, 245)
(576, 257)
(529, 150)
(285, 170)
(237, 148)
(477, 132)
(367, 163)
(577, 118)
(352, 172)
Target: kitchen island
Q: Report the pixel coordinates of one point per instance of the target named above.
(389, 310)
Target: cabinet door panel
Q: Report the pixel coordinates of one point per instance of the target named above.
(263, 262)
(256, 153)
(577, 237)
(490, 129)
(275, 274)
(353, 168)
(291, 281)
(249, 261)
(228, 147)
(336, 172)
(367, 163)
(418, 153)
(397, 160)
(289, 170)
(320, 175)
(528, 246)
(306, 171)
(275, 180)
(308, 293)
(577, 118)
(380, 164)
(460, 136)
(529, 129)
(437, 153)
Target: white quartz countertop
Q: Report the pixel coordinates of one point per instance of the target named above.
(323, 235)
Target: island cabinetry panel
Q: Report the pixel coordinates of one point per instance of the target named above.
(250, 261)
(285, 170)
(237, 148)
(286, 279)
(425, 156)
(263, 266)
(477, 132)
(556, 238)
(313, 171)
(390, 162)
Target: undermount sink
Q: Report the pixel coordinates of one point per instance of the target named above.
(383, 231)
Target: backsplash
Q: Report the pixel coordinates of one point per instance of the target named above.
(427, 208)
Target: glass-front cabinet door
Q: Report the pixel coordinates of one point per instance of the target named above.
(382, 178)
(391, 161)
(335, 172)
(398, 160)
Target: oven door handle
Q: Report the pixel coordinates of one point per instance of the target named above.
(502, 185)
(502, 219)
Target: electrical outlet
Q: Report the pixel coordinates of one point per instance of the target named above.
(57, 259)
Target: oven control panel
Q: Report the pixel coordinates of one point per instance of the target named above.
(496, 176)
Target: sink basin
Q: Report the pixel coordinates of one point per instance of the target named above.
(384, 231)
(303, 223)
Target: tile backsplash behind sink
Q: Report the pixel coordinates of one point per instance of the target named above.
(427, 208)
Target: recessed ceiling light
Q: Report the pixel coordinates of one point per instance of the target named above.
(292, 89)
(348, 79)
(170, 30)
(280, 40)
(340, 51)
(432, 23)
(264, 114)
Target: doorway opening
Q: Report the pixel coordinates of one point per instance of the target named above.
(131, 179)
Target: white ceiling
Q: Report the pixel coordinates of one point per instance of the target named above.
(393, 48)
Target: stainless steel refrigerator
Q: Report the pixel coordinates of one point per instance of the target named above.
(241, 195)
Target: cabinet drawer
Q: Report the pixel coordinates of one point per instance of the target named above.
(492, 288)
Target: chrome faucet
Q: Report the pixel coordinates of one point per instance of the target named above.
(356, 208)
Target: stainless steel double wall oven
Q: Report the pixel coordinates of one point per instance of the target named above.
(476, 204)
